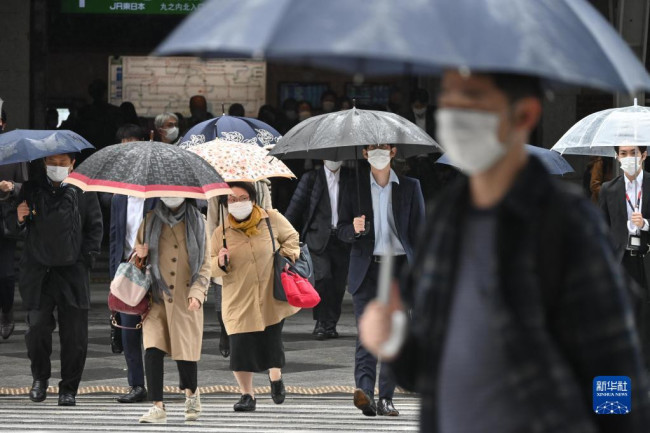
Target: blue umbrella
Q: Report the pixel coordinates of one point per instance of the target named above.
(231, 128)
(22, 145)
(567, 41)
(553, 161)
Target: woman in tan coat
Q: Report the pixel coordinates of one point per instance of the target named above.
(251, 315)
(178, 248)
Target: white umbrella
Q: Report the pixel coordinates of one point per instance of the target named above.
(598, 133)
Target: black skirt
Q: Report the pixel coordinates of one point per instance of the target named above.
(257, 351)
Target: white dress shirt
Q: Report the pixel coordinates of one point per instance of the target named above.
(633, 196)
(333, 189)
(386, 239)
(134, 217)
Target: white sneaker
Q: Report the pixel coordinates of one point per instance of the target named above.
(155, 415)
(193, 407)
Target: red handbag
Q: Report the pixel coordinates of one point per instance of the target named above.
(299, 291)
(116, 305)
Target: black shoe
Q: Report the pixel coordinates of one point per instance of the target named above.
(7, 325)
(135, 395)
(67, 400)
(278, 392)
(246, 403)
(38, 391)
(385, 407)
(364, 401)
(330, 330)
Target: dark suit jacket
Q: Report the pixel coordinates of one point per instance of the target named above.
(310, 210)
(118, 228)
(408, 211)
(429, 116)
(612, 202)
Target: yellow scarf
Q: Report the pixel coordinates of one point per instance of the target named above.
(248, 226)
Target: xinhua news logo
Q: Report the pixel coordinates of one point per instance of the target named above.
(612, 395)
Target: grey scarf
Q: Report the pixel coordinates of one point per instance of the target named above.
(194, 238)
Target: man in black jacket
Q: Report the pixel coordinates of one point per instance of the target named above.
(314, 212)
(519, 302)
(64, 233)
(385, 220)
(625, 201)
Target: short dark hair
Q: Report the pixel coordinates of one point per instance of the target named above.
(516, 86)
(420, 95)
(642, 149)
(328, 92)
(248, 187)
(129, 130)
(236, 109)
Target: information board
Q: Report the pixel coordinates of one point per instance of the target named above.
(159, 84)
(150, 7)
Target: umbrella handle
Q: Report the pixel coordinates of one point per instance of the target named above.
(223, 226)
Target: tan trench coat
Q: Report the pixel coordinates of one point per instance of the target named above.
(248, 304)
(169, 326)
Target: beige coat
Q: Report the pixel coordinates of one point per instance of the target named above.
(248, 304)
(169, 326)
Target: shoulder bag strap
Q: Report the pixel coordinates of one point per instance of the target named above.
(268, 223)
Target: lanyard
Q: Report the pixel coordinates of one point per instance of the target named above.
(638, 201)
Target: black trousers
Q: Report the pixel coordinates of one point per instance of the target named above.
(635, 268)
(365, 363)
(7, 289)
(73, 336)
(332, 288)
(153, 365)
(132, 345)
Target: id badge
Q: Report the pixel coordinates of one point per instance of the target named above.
(634, 242)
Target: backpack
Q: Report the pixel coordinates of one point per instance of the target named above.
(54, 234)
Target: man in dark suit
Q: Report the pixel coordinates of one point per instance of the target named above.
(314, 212)
(385, 221)
(625, 201)
(126, 217)
(421, 113)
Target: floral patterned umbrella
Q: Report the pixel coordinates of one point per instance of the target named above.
(241, 162)
(149, 169)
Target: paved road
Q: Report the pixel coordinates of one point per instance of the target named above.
(306, 414)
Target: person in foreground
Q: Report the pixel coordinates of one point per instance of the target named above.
(178, 251)
(519, 301)
(252, 316)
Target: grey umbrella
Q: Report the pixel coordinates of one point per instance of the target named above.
(337, 136)
(561, 40)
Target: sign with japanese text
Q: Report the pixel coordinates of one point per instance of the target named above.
(151, 7)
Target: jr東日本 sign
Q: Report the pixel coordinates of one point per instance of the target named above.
(130, 6)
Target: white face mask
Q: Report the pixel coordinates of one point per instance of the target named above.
(304, 115)
(470, 138)
(241, 209)
(172, 202)
(379, 158)
(332, 165)
(630, 164)
(171, 133)
(56, 173)
(328, 106)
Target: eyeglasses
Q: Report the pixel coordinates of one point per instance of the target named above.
(232, 199)
(378, 146)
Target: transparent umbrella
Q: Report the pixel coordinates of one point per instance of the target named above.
(598, 133)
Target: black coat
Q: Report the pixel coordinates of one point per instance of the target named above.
(73, 281)
(408, 211)
(310, 211)
(8, 202)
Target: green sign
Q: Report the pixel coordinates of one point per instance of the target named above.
(151, 7)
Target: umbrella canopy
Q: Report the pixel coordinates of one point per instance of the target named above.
(553, 161)
(336, 136)
(231, 128)
(148, 169)
(241, 162)
(22, 145)
(598, 133)
(561, 40)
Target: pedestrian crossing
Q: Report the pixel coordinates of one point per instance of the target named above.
(297, 414)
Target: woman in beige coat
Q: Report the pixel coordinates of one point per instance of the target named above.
(251, 315)
(178, 248)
